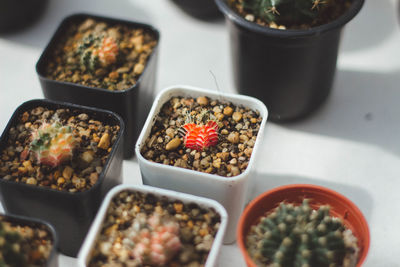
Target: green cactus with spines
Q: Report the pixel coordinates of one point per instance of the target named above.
(10, 248)
(298, 236)
(286, 12)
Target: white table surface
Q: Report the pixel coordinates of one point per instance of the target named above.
(351, 144)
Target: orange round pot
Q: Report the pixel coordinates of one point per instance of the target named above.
(341, 207)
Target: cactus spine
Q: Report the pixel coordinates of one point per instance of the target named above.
(52, 144)
(286, 12)
(298, 236)
(10, 248)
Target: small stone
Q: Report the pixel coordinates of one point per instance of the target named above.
(138, 69)
(249, 17)
(31, 181)
(228, 111)
(94, 176)
(237, 116)
(217, 163)
(104, 141)
(170, 132)
(202, 100)
(67, 172)
(173, 144)
(233, 137)
(87, 156)
(224, 131)
(235, 171)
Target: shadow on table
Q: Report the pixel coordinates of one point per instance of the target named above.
(375, 22)
(264, 182)
(363, 107)
(39, 34)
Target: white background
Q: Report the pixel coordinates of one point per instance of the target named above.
(351, 144)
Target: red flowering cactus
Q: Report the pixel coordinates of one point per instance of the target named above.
(156, 239)
(52, 144)
(198, 137)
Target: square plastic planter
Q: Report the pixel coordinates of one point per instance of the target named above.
(131, 104)
(212, 258)
(70, 213)
(229, 191)
(52, 260)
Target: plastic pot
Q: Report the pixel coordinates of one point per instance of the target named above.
(212, 258)
(341, 207)
(15, 15)
(229, 191)
(131, 104)
(52, 260)
(291, 71)
(204, 9)
(70, 213)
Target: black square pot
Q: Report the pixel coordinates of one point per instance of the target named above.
(52, 260)
(200, 9)
(132, 104)
(71, 214)
(291, 71)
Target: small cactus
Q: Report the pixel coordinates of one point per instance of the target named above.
(298, 236)
(286, 12)
(156, 239)
(52, 144)
(96, 51)
(198, 137)
(10, 248)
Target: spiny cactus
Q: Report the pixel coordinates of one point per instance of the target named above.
(96, 51)
(156, 239)
(52, 144)
(286, 12)
(298, 236)
(198, 137)
(10, 248)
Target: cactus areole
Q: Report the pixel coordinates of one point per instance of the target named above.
(52, 144)
(298, 236)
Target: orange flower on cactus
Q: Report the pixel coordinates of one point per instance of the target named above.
(52, 144)
(107, 52)
(198, 137)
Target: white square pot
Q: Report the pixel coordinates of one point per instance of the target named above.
(229, 191)
(212, 259)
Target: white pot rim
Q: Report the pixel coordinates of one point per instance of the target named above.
(235, 98)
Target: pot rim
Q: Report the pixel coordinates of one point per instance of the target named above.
(46, 102)
(290, 33)
(24, 220)
(300, 189)
(213, 95)
(54, 38)
(159, 192)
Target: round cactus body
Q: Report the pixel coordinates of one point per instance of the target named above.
(52, 144)
(298, 236)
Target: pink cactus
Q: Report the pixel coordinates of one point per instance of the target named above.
(198, 137)
(157, 241)
(107, 52)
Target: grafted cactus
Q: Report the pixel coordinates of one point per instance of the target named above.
(286, 12)
(298, 236)
(96, 51)
(156, 239)
(10, 248)
(52, 144)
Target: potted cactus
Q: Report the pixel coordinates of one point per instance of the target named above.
(284, 52)
(105, 63)
(154, 227)
(303, 225)
(26, 242)
(204, 143)
(57, 161)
